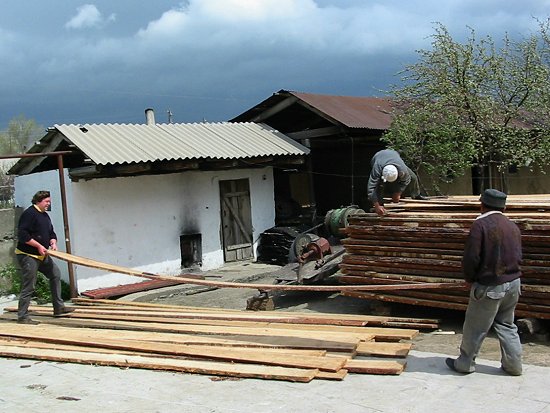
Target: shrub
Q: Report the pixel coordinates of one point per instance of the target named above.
(10, 283)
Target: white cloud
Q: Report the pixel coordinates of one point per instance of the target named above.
(227, 47)
(282, 24)
(88, 16)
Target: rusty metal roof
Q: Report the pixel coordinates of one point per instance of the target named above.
(373, 113)
(352, 111)
(132, 143)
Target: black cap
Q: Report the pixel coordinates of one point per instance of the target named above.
(493, 198)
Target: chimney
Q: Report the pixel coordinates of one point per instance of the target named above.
(150, 116)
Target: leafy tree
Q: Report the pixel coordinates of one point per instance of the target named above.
(472, 105)
(20, 134)
(16, 139)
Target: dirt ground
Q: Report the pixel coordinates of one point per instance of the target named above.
(445, 340)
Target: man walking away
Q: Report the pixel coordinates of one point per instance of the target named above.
(491, 263)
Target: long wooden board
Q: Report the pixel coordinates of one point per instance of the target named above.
(317, 317)
(188, 366)
(226, 284)
(231, 354)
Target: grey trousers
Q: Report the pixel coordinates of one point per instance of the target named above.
(29, 268)
(491, 306)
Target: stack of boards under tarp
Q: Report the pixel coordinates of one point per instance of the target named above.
(293, 346)
(423, 241)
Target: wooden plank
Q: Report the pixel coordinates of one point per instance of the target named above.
(169, 364)
(320, 317)
(327, 375)
(32, 342)
(221, 284)
(232, 354)
(330, 333)
(375, 366)
(326, 332)
(381, 349)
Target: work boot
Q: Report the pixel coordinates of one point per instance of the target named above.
(62, 311)
(27, 320)
(450, 362)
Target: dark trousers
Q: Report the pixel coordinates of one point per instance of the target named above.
(29, 272)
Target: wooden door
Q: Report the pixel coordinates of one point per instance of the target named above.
(236, 220)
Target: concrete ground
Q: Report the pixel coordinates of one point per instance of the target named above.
(426, 385)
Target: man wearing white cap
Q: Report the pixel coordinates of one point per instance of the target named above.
(390, 174)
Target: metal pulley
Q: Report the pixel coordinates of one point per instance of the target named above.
(337, 219)
(315, 250)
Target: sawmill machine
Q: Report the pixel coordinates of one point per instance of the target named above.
(311, 257)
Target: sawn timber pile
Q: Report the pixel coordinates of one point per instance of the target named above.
(267, 345)
(423, 241)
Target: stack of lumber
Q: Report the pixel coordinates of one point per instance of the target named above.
(289, 346)
(423, 242)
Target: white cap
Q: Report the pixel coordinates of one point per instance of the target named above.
(389, 173)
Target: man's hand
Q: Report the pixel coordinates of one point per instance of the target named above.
(396, 197)
(379, 209)
(42, 250)
(53, 244)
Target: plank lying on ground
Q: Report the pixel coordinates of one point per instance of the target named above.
(59, 326)
(377, 348)
(356, 366)
(221, 339)
(292, 342)
(259, 356)
(325, 375)
(375, 366)
(327, 332)
(181, 316)
(187, 366)
(37, 342)
(282, 330)
(319, 317)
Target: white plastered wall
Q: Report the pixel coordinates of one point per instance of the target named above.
(136, 222)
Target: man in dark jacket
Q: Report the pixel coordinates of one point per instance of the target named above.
(36, 235)
(390, 174)
(491, 263)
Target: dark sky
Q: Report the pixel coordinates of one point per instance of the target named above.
(107, 61)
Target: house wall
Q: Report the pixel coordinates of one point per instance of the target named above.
(136, 222)
(525, 181)
(461, 185)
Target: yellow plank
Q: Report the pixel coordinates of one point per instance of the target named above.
(375, 366)
(170, 364)
(378, 348)
(262, 356)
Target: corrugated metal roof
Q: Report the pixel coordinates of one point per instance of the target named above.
(351, 111)
(127, 143)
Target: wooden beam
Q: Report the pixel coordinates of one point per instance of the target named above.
(155, 363)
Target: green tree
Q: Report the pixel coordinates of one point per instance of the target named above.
(471, 105)
(16, 139)
(19, 136)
